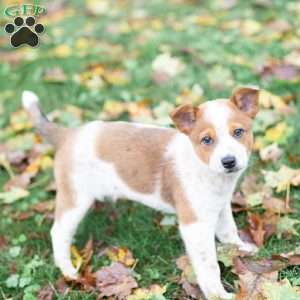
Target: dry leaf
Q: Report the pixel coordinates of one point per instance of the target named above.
(166, 67)
(188, 277)
(122, 255)
(46, 293)
(115, 280)
(154, 291)
(271, 153)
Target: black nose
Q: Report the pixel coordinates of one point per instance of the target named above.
(229, 162)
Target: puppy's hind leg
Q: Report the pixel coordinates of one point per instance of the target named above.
(70, 210)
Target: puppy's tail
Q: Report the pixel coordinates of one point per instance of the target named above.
(53, 133)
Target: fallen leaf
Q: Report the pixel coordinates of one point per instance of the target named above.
(261, 227)
(276, 205)
(13, 195)
(122, 255)
(45, 293)
(285, 227)
(280, 290)
(257, 229)
(188, 277)
(271, 153)
(55, 75)
(226, 254)
(20, 181)
(166, 67)
(62, 51)
(115, 280)
(254, 274)
(45, 206)
(283, 178)
(154, 292)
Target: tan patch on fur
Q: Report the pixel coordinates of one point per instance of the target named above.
(172, 192)
(62, 171)
(200, 130)
(240, 120)
(136, 152)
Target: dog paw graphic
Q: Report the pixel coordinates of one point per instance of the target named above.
(24, 33)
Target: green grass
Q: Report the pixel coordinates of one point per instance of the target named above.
(212, 59)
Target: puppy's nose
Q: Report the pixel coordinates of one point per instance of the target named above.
(229, 162)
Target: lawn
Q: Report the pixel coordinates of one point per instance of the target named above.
(136, 60)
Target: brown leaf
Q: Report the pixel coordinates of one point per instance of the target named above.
(22, 216)
(245, 236)
(3, 242)
(62, 286)
(87, 280)
(290, 259)
(279, 70)
(87, 253)
(257, 229)
(45, 206)
(188, 278)
(276, 205)
(46, 293)
(262, 227)
(19, 181)
(265, 265)
(253, 274)
(55, 75)
(280, 26)
(115, 280)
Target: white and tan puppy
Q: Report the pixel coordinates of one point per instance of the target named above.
(191, 171)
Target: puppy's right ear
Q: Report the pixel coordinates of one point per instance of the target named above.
(184, 117)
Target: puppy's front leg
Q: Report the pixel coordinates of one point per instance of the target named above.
(199, 239)
(227, 231)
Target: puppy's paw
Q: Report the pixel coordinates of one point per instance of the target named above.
(223, 295)
(249, 248)
(71, 276)
(70, 273)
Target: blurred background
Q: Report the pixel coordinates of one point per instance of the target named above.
(137, 60)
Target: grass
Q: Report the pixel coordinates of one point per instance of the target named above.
(212, 54)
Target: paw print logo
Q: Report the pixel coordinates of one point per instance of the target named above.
(24, 33)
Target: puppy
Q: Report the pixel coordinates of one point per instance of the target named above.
(191, 171)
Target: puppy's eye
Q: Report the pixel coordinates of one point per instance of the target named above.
(207, 140)
(238, 133)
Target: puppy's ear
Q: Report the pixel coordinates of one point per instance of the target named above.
(184, 117)
(246, 99)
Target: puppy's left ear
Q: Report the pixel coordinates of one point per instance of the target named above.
(246, 99)
(184, 117)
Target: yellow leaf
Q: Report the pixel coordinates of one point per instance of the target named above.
(275, 134)
(148, 293)
(46, 162)
(82, 43)
(77, 260)
(113, 109)
(122, 255)
(205, 20)
(250, 27)
(116, 77)
(269, 100)
(157, 24)
(19, 121)
(62, 51)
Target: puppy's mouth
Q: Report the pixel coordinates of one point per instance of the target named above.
(233, 170)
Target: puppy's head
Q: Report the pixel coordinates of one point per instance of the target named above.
(220, 130)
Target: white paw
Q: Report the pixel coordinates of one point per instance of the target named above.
(248, 247)
(221, 295)
(227, 296)
(70, 274)
(67, 269)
